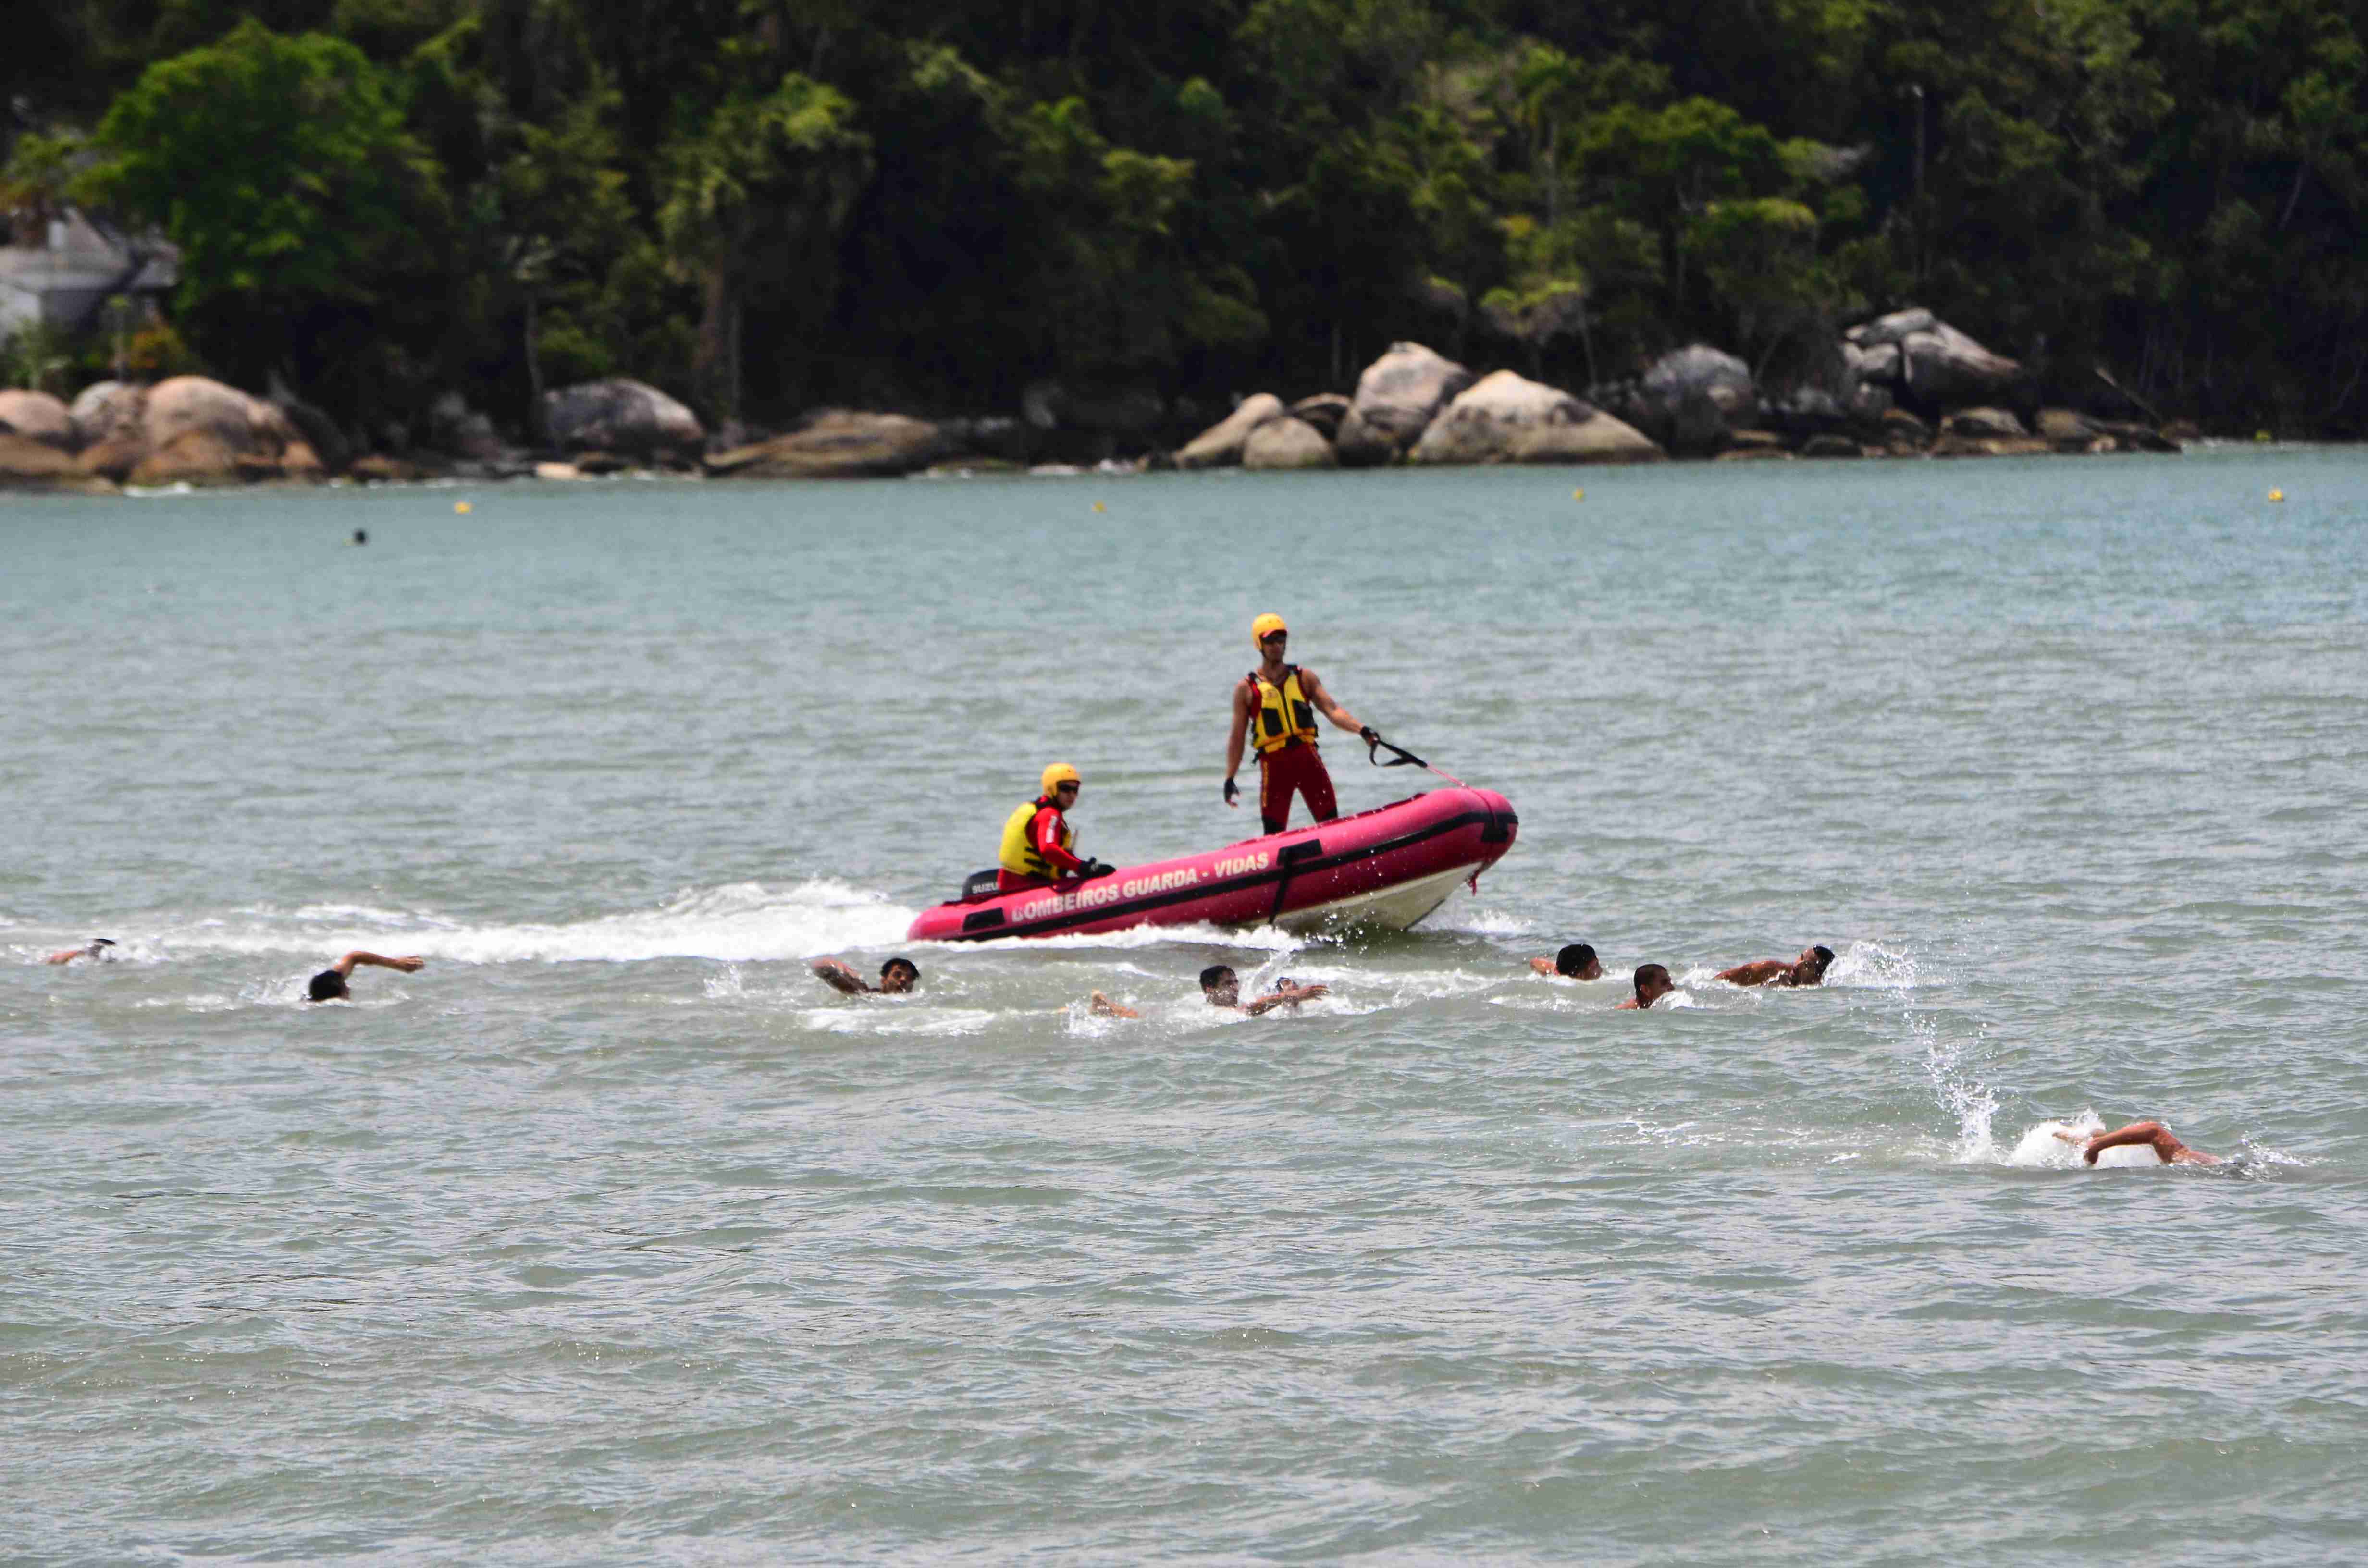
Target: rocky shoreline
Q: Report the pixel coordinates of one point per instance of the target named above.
(1907, 385)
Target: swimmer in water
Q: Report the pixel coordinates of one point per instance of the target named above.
(1653, 982)
(1103, 1006)
(98, 949)
(329, 985)
(1577, 961)
(1809, 969)
(897, 976)
(2154, 1134)
(1223, 987)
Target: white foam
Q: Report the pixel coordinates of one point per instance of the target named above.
(1484, 923)
(1869, 965)
(742, 922)
(1257, 938)
(875, 1020)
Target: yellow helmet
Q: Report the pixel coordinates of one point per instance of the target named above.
(1059, 773)
(1265, 626)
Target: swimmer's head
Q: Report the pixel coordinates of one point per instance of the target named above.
(1810, 967)
(328, 986)
(899, 975)
(99, 945)
(1578, 961)
(1220, 984)
(1653, 982)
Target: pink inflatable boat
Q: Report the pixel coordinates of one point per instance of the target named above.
(1389, 868)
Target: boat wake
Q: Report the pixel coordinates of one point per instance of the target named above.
(740, 922)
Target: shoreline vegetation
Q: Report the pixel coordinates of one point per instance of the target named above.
(256, 241)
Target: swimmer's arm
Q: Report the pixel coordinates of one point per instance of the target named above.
(1544, 966)
(1758, 972)
(2148, 1132)
(838, 977)
(1109, 1009)
(1314, 687)
(68, 956)
(1289, 996)
(408, 964)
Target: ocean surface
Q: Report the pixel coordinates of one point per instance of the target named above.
(611, 1235)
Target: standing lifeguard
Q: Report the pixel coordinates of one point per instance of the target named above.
(1275, 705)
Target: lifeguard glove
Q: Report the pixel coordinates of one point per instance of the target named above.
(1233, 791)
(1370, 735)
(1096, 868)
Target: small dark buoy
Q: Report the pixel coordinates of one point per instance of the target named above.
(361, 536)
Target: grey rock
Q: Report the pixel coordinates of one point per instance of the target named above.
(627, 418)
(38, 416)
(1325, 411)
(839, 444)
(1891, 328)
(1601, 438)
(1400, 393)
(1220, 446)
(1488, 417)
(1287, 443)
(1982, 424)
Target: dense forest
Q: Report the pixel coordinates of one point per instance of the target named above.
(767, 205)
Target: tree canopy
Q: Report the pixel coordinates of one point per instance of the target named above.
(761, 205)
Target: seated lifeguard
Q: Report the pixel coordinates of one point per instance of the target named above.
(1038, 839)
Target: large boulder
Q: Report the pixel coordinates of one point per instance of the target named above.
(839, 444)
(1485, 419)
(1806, 413)
(39, 416)
(28, 464)
(623, 416)
(1359, 445)
(195, 456)
(1287, 443)
(1983, 424)
(1398, 397)
(1692, 400)
(1946, 369)
(1604, 438)
(1892, 328)
(105, 410)
(1325, 411)
(1916, 360)
(1220, 446)
(245, 426)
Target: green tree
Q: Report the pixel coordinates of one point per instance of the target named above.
(281, 168)
(780, 172)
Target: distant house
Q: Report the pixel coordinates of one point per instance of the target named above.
(81, 262)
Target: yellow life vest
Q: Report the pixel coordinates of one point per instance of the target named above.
(1019, 856)
(1284, 714)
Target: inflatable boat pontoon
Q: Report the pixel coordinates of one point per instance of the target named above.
(1389, 867)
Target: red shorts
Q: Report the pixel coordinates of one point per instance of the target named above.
(1296, 767)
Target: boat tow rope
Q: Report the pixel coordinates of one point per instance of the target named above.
(1401, 757)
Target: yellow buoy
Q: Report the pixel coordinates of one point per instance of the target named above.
(1578, 494)
(461, 506)
(1097, 506)
(2260, 434)
(2277, 495)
